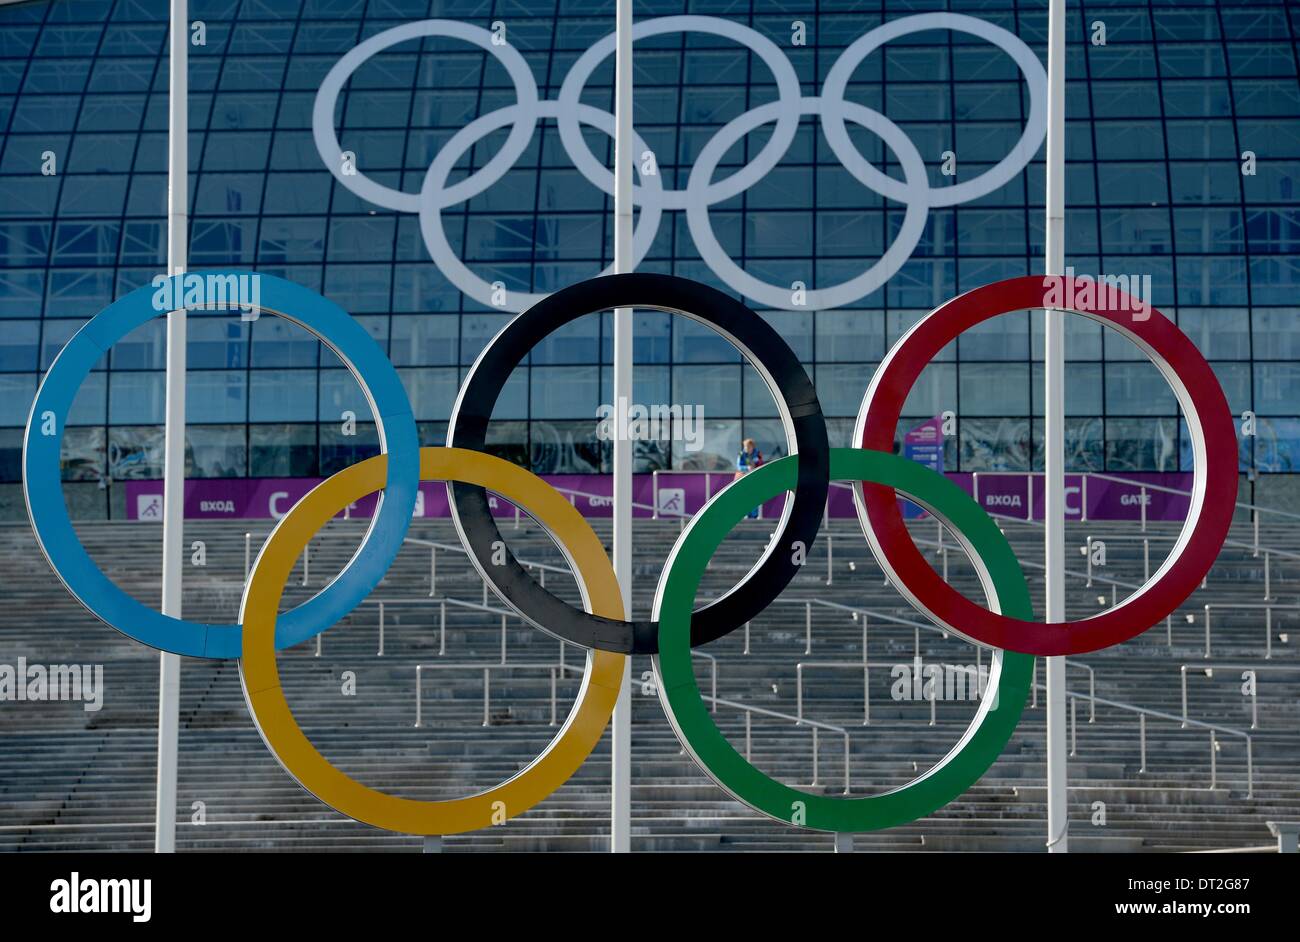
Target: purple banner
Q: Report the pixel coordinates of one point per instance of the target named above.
(675, 494)
(924, 445)
(1021, 495)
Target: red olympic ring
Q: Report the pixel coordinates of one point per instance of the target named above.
(1214, 449)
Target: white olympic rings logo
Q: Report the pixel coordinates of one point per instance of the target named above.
(702, 191)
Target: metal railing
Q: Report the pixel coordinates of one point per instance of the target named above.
(1268, 608)
(836, 665)
(1089, 541)
(939, 545)
(1074, 697)
(1254, 669)
(1255, 546)
(1256, 549)
(974, 671)
(856, 611)
(1092, 687)
(863, 615)
(977, 679)
(1091, 696)
(815, 725)
(555, 669)
(561, 666)
(248, 559)
(1115, 584)
(487, 669)
(1144, 712)
(442, 603)
(435, 546)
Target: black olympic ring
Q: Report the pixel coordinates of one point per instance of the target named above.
(770, 355)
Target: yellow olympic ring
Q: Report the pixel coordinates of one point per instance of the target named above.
(261, 677)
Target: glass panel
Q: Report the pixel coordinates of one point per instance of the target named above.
(282, 396)
(282, 451)
(135, 453)
(216, 451)
(1141, 445)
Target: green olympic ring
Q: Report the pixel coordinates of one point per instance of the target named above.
(999, 710)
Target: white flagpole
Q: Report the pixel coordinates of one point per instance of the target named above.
(1054, 432)
(621, 741)
(169, 673)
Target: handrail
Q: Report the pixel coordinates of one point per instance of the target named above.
(504, 613)
(1091, 696)
(837, 665)
(1092, 687)
(940, 547)
(815, 725)
(487, 669)
(859, 611)
(716, 701)
(435, 545)
(1209, 670)
(1268, 620)
(1030, 564)
(1089, 541)
(854, 610)
(460, 548)
(865, 666)
(749, 709)
(713, 674)
(1074, 697)
(1256, 547)
(1113, 583)
(442, 619)
(1144, 712)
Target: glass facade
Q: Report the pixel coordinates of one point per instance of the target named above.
(1183, 165)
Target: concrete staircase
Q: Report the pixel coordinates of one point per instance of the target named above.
(72, 779)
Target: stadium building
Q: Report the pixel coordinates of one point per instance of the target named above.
(1184, 151)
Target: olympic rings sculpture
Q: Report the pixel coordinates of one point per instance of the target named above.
(702, 190)
(42, 480)
(877, 476)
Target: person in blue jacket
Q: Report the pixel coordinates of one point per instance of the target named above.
(748, 459)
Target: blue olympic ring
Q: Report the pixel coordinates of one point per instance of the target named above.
(42, 481)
